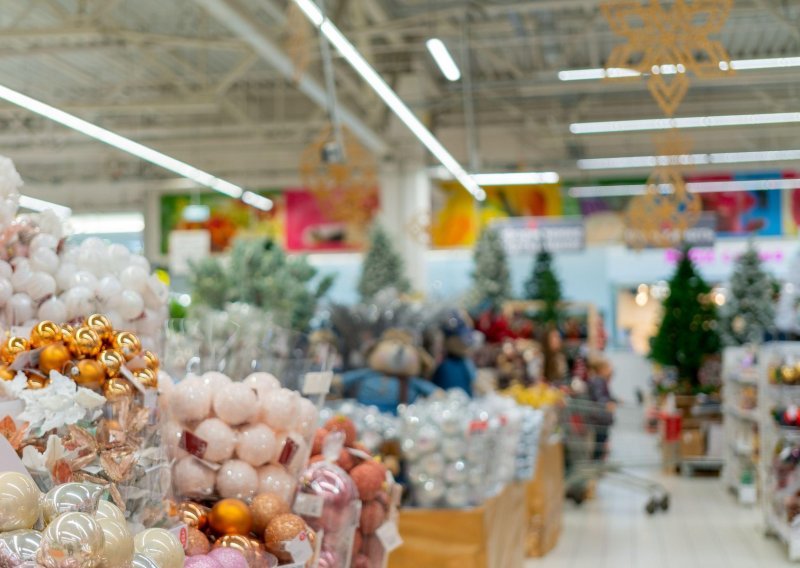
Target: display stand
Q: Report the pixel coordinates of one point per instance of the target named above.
(489, 536)
(780, 477)
(740, 422)
(545, 500)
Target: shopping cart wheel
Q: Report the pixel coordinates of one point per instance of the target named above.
(664, 504)
(651, 507)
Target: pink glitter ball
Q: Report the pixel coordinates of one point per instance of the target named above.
(202, 561)
(228, 557)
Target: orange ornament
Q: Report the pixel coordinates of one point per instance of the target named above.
(53, 358)
(126, 343)
(193, 515)
(151, 360)
(12, 347)
(117, 388)
(112, 361)
(87, 342)
(230, 516)
(6, 374)
(87, 373)
(45, 333)
(101, 325)
(147, 377)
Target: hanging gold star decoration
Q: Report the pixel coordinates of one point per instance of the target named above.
(661, 216)
(667, 44)
(347, 189)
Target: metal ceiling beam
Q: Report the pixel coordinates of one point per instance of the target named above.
(232, 14)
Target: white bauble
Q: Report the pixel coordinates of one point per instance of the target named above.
(70, 255)
(6, 291)
(19, 309)
(22, 273)
(65, 275)
(156, 292)
(93, 244)
(79, 302)
(85, 279)
(94, 261)
(5, 270)
(44, 241)
(8, 208)
(44, 260)
(53, 310)
(140, 261)
(118, 257)
(150, 324)
(117, 321)
(130, 305)
(108, 288)
(134, 278)
(41, 285)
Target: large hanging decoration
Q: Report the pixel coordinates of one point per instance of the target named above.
(665, 46)
(298, 40)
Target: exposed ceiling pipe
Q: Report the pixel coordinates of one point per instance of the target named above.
(237, 18)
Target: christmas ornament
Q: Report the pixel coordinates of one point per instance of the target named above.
(44, 333)
(279, 408)
(53, 358)
(202, 561)
(369, 478)
(191, 400)
(117, 543)
(339, 502)
(237, 479)
(231, 557)
(19, 501)
(282, 530)
(193, 515)
(162, 546)
(87, 373)
(71, 539)
(117, 389)
(86, 342)
(373, 515)
(112, 362)
(127, 344)
(71, 497)
(248, 550)
(192, 478)
(107, 510)
(12, 347)
(230, 517)
(236, 404)
(262, 383)
(19, 548)
(345, 425)
(196, 543)
(219, 437)
(274, 478)
(143, 561)
(256, 444)
(265, 507)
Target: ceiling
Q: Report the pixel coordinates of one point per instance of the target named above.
(207, 81)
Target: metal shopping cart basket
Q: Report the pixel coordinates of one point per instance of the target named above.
(589, 428)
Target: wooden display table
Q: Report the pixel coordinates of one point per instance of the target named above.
(489, 536)
(545, 501)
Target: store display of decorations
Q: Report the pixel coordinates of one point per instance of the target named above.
(71, 525)
(785, 373)
(78, 404)
(42, 277)
(540, 395)
(378, 431)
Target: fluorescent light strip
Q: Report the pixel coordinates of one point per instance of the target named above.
(516, 178)
(107, 224)
(35, 204)
(736, 65)
(443, 59)
(589, 191)
(687, 159)
(257, 201)
(385, 92)
(125, 144)
(686, 122)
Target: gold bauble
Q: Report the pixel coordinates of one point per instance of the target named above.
(193, 515)
(117, 388)
(787, 374)
(45, 333)
(12, 347)
(230, 516)
(266, 507)
(53, 358)
(147, 378)
(6, 374)
(87, 342)
(35, 382)
(87, 373)
(283, 528)
(126, 343)
(112, 361)
(101, 325)
(151, 361)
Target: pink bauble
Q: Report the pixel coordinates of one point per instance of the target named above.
(202, 561)
(329, 559)
(339, 495)
(361, 561)
(193, 479)
(262, 382)
(307, 417)
(256, 444)
(274, 478)
(300, 448)
(279, 409)
(216, 380)
(235, 404)
(372, 516)
(237, 480)
(373, 549)
(191, 400)
(229, 557)
(221, 439)
(369, 478)
(171, 435)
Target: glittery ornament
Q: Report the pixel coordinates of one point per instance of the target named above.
(283, 529)
(193, 515)
(237, 479)
(231, 557)
(345, 425)
(247, 549)
(235, 404)
(87, 342)
(230, 516)
(369, 478)
(196, 543)
(45, 333)
(219, 437)
(53, 358)
(372, 516)
(12, 347)
(202, 561)
(193, 479)
(265, 507)
(112, 362)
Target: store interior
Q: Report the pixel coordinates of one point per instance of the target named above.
(399, 283)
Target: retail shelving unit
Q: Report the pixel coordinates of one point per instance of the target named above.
(780, 444)
(740, 421)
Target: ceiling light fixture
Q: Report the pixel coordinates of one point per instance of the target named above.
(589, 191)
(443, 59)
(387, 94)
(125, 144)
(107, 223)
(736, 65)
(516, 178)
(35, 204)
(687, 159)
(686, 122)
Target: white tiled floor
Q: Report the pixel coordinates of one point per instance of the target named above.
(705, 528)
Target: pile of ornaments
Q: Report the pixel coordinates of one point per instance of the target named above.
(236, 439)
(531, 428)
(376, 429)
(80, 530)
(44, 278)
(233, 534)
(356, 496)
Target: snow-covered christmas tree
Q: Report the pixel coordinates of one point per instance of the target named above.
(543, 284)
(491, 281)
(382, 268)
(749, 310)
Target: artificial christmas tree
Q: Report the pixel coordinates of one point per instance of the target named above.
(688, 333)
(544, 285)
(382, 267)
(491, 282)
(786, 313)
(749, 310)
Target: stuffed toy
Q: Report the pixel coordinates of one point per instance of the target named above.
(456, 370)
(395, 367)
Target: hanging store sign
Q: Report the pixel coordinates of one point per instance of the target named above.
(522, 235)
(702, 234)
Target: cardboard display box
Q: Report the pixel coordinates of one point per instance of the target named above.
(545, 501)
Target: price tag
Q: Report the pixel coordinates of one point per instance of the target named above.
(290, 449)
(318, 382)
(181, 532)
(389, 536)
(299, 548)
(307, 505)
(196, 446)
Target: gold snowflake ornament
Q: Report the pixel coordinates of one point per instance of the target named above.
(668, 43)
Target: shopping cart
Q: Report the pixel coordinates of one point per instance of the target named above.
(590, 432)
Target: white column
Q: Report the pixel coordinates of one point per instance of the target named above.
(405, 202)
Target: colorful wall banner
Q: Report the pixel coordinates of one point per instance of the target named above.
(310, 226)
